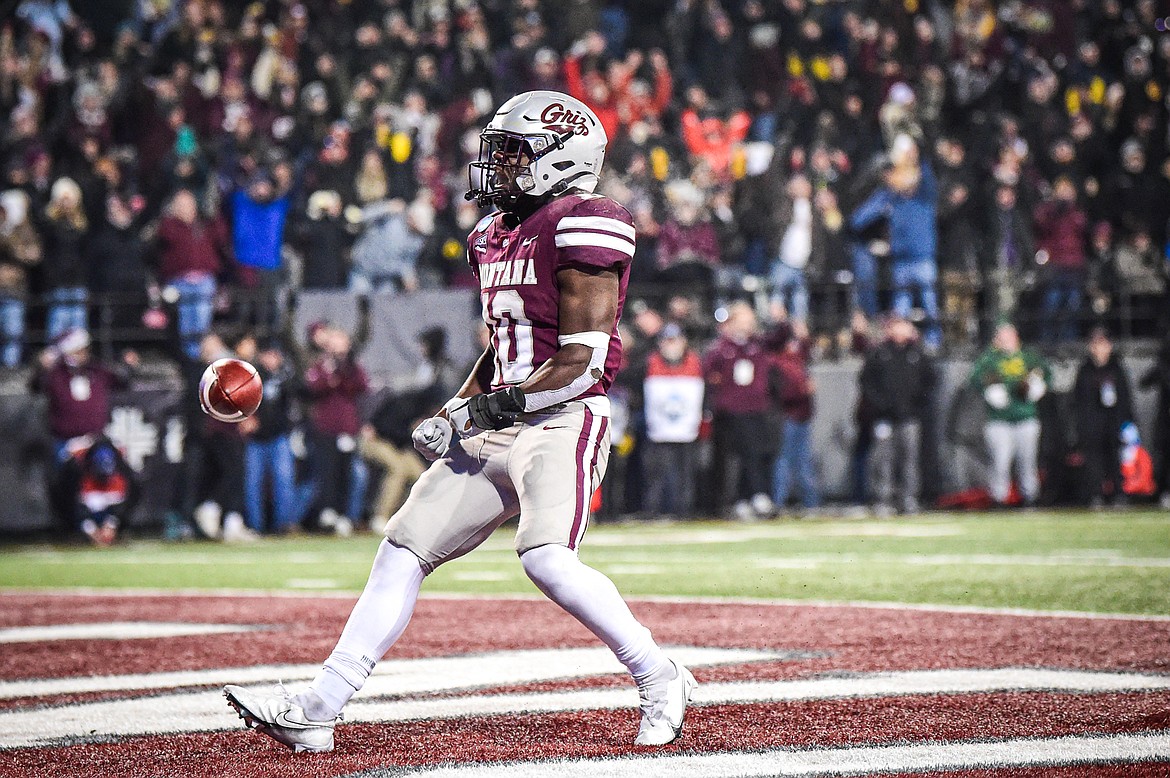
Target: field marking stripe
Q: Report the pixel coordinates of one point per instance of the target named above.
(398, 676)
(116, 630)
(206, 711)
(90, 591)
(855, 760)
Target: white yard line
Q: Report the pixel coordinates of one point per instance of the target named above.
(116, 630)
(855, 760)
(206, 711)
(352, 595)
(395, 676)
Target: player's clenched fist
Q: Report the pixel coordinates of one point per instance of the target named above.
(432, 438)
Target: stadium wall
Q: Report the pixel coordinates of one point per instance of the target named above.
(146, 424)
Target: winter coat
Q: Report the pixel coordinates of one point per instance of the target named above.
(64, 264)
(334, 389)
(20, 249)
(741, 377)
(258, 230)
(1060, 231)
(189, 248)
(913, 233)
(79, 397)
(117, 261)
(388, 248)
(1102, 398)
(678, 243)
(897, 382)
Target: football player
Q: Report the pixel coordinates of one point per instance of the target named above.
(528, 433)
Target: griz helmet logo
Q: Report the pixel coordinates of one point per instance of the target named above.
(560, 119)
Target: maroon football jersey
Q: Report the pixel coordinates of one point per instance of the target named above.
(517, 271)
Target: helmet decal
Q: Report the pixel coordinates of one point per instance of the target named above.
(559, 119)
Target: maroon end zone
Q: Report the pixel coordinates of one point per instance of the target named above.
(820, 642)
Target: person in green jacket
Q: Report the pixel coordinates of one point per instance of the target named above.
(1011, 380)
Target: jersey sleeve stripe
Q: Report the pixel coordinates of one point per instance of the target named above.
(605, 223)
(595, 240)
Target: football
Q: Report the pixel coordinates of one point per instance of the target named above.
(230, 390)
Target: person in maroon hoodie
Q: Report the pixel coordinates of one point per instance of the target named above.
(79, 391)
(334, 383)
(797, 390)
(191, 255)
(1061, 228)
(742, 382)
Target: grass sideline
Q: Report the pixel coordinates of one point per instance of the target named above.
(1075, 561)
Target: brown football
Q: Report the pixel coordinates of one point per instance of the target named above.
(230, 390)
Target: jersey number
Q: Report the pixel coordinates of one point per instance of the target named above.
(503, 310)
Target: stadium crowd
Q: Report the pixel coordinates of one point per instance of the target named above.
(941, 167)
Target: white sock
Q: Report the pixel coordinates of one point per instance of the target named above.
(378, 619)
(594, 601)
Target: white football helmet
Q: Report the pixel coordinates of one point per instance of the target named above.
(538, 143)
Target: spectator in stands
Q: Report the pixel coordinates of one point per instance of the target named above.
(324, 240)
(959, 241)
(385, 442)
(1061, 230)
(1139, 278)
(1102, 398)
(334, 384)
(116, 257)
(1011, 380)
(268, 454)
(258, 215)
(79, 391)
(63, 227)
(385, 255)
(20, 250)
(672, 392)
(789, 284)
(797, 402)
(908, 200)
(1011, 253)
(191, 254)
(709, 134)
(742, 386)
(1158, 377)
(897, 388)
(107, 491)
(688, 245)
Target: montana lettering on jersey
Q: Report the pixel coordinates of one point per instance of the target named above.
(517, 270)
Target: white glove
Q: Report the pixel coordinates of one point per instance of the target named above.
(1036, 387)
(432, 438)
(996, 396)
(460, 417)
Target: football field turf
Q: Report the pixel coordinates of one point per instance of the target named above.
(982, 645)
(1074, 561)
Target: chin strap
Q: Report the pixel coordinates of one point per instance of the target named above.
(599, 343)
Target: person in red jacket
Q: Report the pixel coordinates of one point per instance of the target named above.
(334, 383)
(191, 255)
(1061, 228)
(742, 384)
(79, 391)
(709, 136)
(797, 392)
(673, 401)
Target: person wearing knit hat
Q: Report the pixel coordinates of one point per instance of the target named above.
(79, 392)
